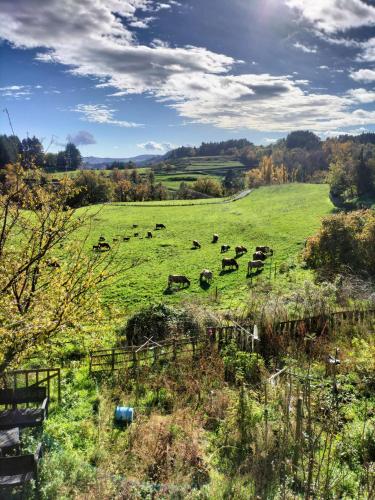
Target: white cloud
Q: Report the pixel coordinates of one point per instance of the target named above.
(362, 95)
(157, 146)
(82, 138)
(305, 48)
(368, 50)
(323, 67)
(194, 81)
(363, 75)
(16, 91)
(100, 113)
(332, 16)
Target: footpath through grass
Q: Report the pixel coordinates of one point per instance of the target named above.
(279, 216)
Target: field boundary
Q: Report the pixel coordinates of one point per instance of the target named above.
(147, 204)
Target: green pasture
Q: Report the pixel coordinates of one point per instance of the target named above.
(279, 216)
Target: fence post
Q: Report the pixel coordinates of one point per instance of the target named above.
(113, 360)
(297, 437)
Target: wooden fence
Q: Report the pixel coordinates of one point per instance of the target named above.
(219, 336)
(322, 324)
(148, 354)
(50, 378)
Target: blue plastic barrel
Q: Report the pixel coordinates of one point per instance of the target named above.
(124, 414)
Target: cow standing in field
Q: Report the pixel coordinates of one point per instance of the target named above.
(101, 238)
(135, 225)
(229, 263)
(206, 275)
(254, 264)
(136, 235)
(259, 256)
(160, 226)
(104, 246)
(265, 250)
(215, 238)
(240, 250)
(149, 234)
(126, 238)
(196, 244)
(224, 248)
(178, 278)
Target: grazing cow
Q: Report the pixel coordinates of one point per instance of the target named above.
(126, 238)
(224, 248)
(149, 234)
(206, 275)
(136, 234)
(229, 263)
(160, 226)
(114, 240)
(104, 246)
(101, 238)
(96, 247)
(53, 263)
(215, 238)
(254, 264)
(266, 250)
(196, 244)
(259, 256)
(135, 225)
(240, 250)
(178, 278)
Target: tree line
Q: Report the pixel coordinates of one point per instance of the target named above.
(30, 151)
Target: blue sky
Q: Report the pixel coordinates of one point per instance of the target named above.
(128, 77)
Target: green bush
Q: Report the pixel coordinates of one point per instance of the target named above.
(242, 366)
(160, 322)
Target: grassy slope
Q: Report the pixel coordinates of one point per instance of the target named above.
(281, 216)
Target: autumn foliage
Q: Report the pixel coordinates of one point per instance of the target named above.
(345, 243)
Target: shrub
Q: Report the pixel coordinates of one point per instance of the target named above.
(160, 322)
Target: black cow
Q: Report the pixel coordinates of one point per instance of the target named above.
(160, 226)
(259, 256)
(229, 263)
(225, 248)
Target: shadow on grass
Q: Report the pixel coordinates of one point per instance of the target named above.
(254, 273)
(205, 285)
(223, 272)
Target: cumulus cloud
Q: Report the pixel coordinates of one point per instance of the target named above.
(198, 83)
(82, 138)
(100, 113)
(362, 95)
(156, 146)
(363, 75)
(305, 48)
(332, 16)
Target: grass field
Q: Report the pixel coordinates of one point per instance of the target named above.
(279, 216)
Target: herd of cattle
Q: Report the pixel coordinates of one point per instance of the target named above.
(102, 245)
(257, 263)
(259, 256)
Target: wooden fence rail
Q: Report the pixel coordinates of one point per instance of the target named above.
(219, 336)
(148, 354)
(37, 377)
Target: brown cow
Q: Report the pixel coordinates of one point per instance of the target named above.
(178, 278)
(254, 264)
(229, 263)
(264, 249)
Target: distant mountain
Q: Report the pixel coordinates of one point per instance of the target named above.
(97, 162)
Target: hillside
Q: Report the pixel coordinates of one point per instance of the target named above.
(279, 216)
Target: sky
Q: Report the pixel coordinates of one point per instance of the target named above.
(126, 77)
